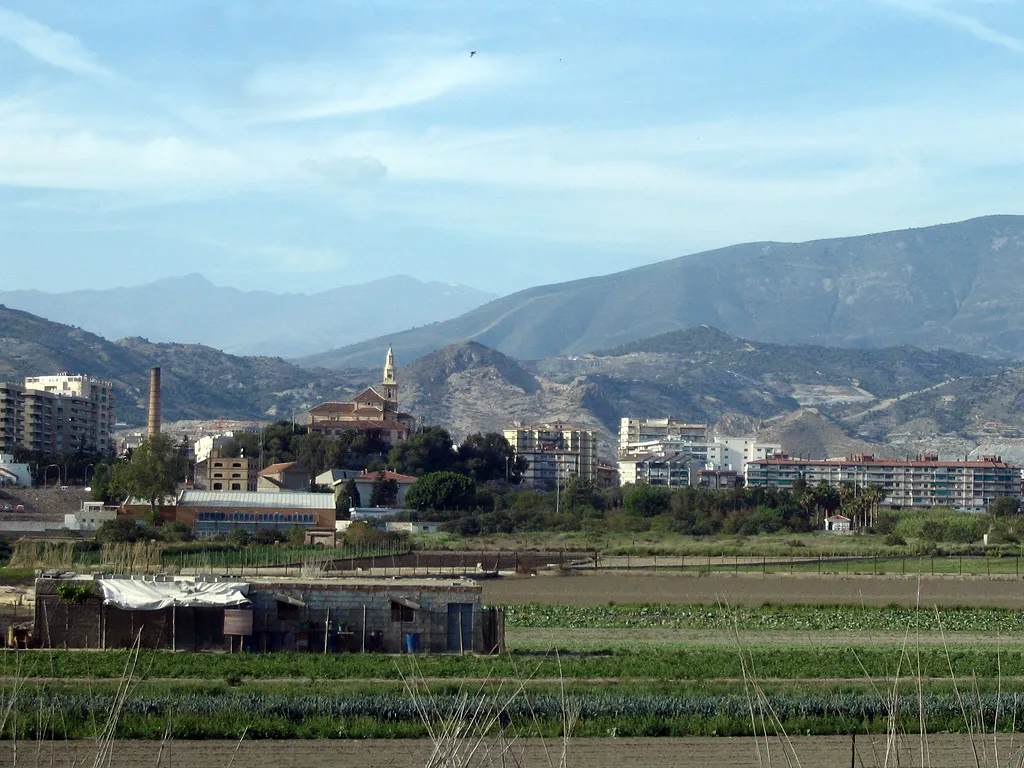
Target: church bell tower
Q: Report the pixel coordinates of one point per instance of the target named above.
(389, 386)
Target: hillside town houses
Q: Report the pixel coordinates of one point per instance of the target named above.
(230, 491)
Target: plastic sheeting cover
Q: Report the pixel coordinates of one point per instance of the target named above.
(155, 595)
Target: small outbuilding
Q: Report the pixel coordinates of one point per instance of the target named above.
(838, 524)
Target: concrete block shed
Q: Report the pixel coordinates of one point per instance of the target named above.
(389, 615)
(266, 615)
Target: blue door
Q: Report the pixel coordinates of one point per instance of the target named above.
(460, 627)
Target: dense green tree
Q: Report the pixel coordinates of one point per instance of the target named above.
(646, 500)
(486, 457)
(120, 530)
(1004, 506)
(442, 491)
(352, 492)
(578, 493)
(429, 450)
(278, 441)
(100, 484)
(152, 473)
(316, 453)
(384, 491)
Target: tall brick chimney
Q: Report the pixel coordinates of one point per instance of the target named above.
(153, 425)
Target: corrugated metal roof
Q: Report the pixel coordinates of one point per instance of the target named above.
(237, 499)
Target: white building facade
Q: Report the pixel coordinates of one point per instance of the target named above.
(646, 445)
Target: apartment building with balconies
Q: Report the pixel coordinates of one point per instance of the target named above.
(85, 408)
(12, 407)
(923, 482)
(52, 414)
(554, 453)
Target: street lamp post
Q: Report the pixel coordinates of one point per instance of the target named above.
(46, 473)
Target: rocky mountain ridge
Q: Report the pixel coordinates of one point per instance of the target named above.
(816, 401)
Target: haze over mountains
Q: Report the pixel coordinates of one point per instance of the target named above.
(190, 309)
(955, 286)
(959, 283)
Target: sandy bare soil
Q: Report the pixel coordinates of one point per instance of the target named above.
(596, 588)
(945, 751)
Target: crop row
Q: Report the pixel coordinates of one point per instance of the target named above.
(70, 715)
(832, 618)
(677, 663)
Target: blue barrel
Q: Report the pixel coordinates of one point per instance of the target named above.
(412, 642)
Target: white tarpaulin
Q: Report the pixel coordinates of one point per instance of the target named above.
(154, 595)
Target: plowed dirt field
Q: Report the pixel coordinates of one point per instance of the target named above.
(944, 751)
(597, 588)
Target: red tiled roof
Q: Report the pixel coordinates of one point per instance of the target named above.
(333, 408)
(388, 475)
(273, 469)
(368, 395)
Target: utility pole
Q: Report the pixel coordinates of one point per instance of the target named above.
(558, 486)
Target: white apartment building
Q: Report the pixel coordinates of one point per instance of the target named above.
(637, 434)
(554, 452)
(923, 482)
(68, 412)
(643, 442)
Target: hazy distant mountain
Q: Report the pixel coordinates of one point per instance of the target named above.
(190, 309)
(958, 286)
(198, 382)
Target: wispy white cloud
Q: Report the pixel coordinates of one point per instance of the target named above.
(51, 46)
(940, 11)
(312, 91)
(90, 161)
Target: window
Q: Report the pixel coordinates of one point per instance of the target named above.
(236, 486)
(218, 487)
(402, 613)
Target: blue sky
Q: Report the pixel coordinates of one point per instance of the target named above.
(300, 146)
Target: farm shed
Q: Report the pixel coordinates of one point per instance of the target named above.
(74, 611)
(389, 615)
(320, 616)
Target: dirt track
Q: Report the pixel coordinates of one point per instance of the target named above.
(596, 588)
(945, 751)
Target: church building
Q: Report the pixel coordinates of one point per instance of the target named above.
(374, 411)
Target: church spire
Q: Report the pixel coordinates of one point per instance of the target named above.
(389, 385)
